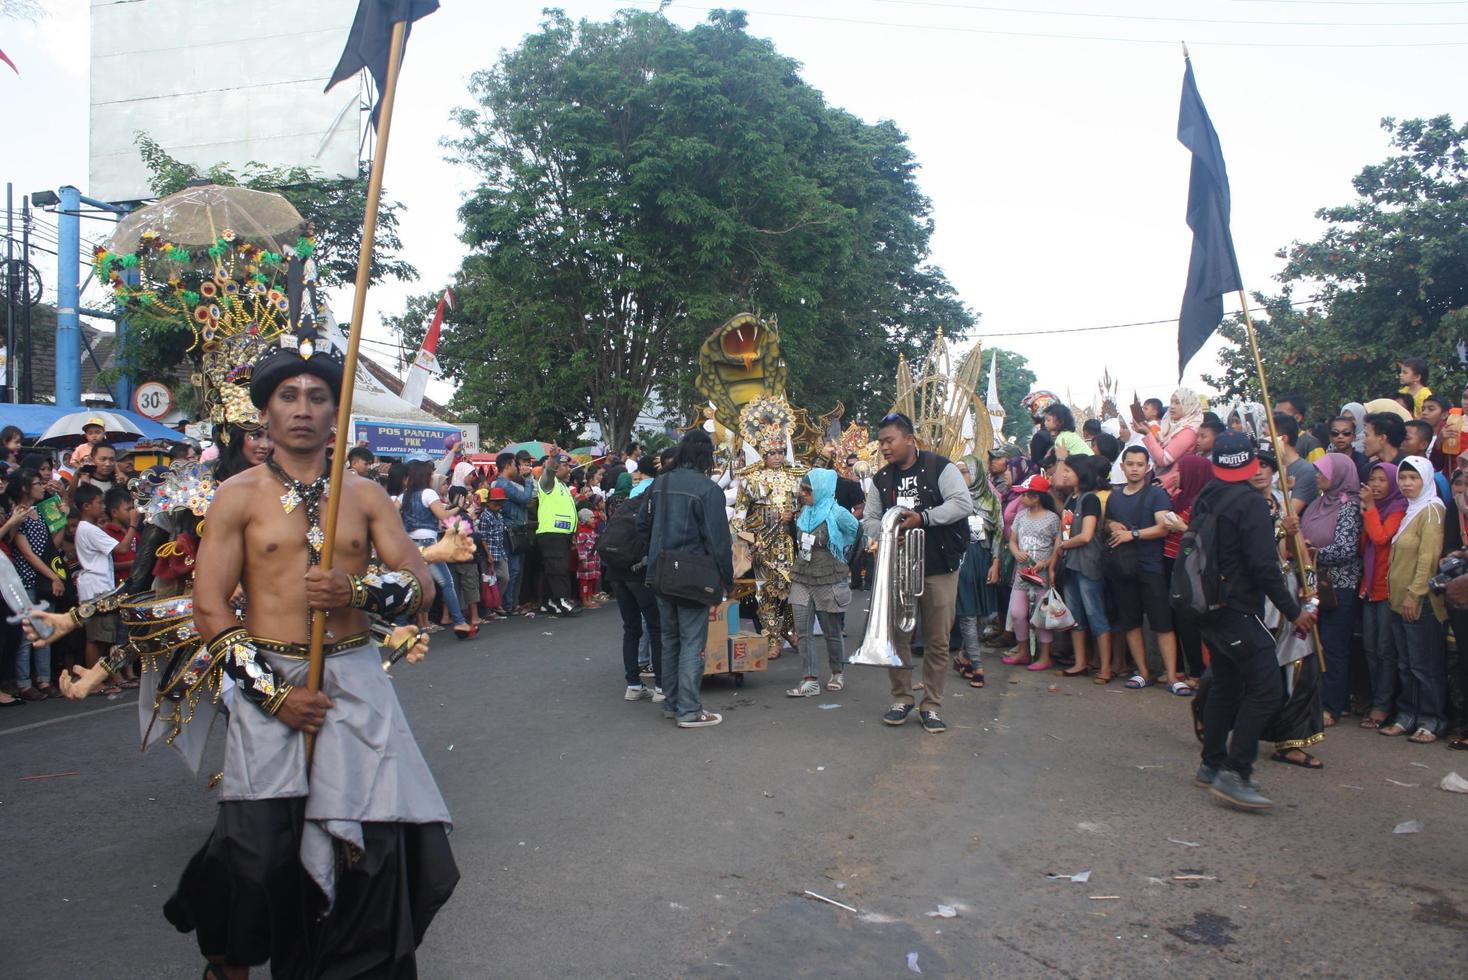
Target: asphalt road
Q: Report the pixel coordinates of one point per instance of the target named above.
(597, 840)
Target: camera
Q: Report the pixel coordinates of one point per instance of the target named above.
(1450, 568)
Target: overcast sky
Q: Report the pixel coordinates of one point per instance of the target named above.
(1057, 183)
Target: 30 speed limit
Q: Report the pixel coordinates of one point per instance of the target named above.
(153, 399)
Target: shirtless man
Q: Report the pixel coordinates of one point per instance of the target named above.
(298, 871)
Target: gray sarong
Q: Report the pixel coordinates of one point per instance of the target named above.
(367, 767)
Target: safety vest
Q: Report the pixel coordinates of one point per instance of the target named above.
(557, 511)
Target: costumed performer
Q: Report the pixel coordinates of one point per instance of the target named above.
(764, 508)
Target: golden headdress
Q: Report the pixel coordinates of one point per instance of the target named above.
(765, 424)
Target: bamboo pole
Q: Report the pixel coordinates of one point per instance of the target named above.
(1307, 580)
(354, 342)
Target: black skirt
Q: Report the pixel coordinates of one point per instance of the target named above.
(249, 901)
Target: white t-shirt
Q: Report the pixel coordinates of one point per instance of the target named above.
(94, 548)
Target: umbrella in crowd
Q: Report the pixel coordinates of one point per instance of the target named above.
(68, 430)
(196, 216)
(534, 447)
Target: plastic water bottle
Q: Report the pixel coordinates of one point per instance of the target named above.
(1312, 605)
(1453, 433)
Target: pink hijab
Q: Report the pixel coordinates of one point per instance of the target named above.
(1318, 521)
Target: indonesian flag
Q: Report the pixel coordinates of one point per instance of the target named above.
(428, 354)
(425, 362)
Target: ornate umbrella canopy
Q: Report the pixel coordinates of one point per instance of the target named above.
(196, 217)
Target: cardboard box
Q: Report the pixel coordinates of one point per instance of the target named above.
(748, 652)
(716, 647)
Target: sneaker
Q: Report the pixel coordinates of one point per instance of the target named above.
(645, 669)
(658, 697)
(704, 719)
(809, 688)
(1229, 787)
(637, 693)
(932, 724)
(897, 714)
(1205, 776)
(569, 608)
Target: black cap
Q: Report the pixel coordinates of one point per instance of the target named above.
(1234, 458)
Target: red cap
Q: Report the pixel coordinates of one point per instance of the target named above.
(1035, 484)
(497, 493)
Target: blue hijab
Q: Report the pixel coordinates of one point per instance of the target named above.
(823, 509)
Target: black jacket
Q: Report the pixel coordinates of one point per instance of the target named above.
(1248, 561)
(694, 521)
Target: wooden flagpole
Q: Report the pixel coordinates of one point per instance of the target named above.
(354, 342)
(1307, 576)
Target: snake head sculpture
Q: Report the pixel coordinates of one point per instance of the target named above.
(739, 362)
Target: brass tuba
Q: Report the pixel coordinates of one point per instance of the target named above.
(895, 592)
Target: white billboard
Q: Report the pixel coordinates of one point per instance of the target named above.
(219, 81)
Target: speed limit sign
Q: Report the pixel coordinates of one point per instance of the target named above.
(153, 399)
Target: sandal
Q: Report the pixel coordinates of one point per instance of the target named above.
(1287, 757)
(1103, 678)
(1422, 737)
(1459, 742)
(1136, 682)
(1330, 720)
(976, 679)
(1372, 723)
(1181, 689)
(963, 667)
(1392, 730)
(1015, 659)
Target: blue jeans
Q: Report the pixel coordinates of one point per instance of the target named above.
(685, 632)
(644, 645)
(1336, 627)
(1086, 599)
(510, 595)
(1422, 670)
(1380, 645)
(23, 654)
(636, 603)
(443, 577)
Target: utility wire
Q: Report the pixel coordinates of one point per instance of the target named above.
(989, 32)
(1156, 18)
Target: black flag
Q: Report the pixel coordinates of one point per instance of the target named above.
(370, 41)
(1213, 269)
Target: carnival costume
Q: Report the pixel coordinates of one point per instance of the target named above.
(767, 497)
(369, 829)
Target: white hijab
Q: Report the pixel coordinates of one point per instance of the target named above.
(1426, 498)
(1357, 411)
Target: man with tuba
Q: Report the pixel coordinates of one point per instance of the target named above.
(933, 496)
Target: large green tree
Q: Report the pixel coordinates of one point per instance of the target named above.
(639, 184)
(1388, 279)
(333, 206)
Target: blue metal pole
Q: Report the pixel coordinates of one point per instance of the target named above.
(68, 295)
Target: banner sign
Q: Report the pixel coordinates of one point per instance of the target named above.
(386, 438)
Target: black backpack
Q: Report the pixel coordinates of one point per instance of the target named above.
(620, 544)
(1196, 588)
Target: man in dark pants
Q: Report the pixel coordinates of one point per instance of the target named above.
(1246, 688)
(555, 523)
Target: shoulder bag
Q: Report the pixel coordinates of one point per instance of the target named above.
(688, 577)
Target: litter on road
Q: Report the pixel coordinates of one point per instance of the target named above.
(1184, 843)
(912, 963)
(1080, 877)
(1454, 783)
(1408, 827)
(944, 912)
(1404, 785)
(828, 901)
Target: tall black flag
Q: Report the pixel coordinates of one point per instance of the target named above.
(370, 41)
(1213, 269)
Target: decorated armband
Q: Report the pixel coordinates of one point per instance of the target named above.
(235, 650)
(387, 594)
